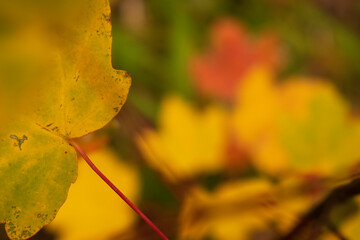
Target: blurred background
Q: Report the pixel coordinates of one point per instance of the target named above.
(242, 115)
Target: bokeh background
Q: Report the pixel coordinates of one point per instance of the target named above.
(242, 115)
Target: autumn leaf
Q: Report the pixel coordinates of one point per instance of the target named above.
(301, 125)
(322, 136)
(254, 118)
(208, 214)
(232, 54)
(188, 142)
(56, 75)
(75, 220)
(241, 210)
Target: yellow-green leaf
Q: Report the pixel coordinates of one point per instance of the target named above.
(300, 125)
(34, 176)
(56, 83)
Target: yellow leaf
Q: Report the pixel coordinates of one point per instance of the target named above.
(320, 136)
(254, 120)
(92, 210)
(239, 210)
(188, 142)
(300, 125)
(56, 83)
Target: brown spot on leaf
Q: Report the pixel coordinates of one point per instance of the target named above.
(19, 141)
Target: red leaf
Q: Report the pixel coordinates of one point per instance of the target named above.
(231, 55)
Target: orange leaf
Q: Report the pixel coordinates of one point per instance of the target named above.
(231, 55)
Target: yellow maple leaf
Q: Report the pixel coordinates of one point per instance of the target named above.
(300, 125)
(240, 210)
(56, 83)
(188, 142)
(254, 119)
(92, 210)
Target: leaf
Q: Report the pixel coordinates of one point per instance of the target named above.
(240, 210)
(319, 134)
(34, 180)
(188, 142)
(225, 213)
(56, 74)
(254, 119)
(232, 54)
(300, 125)
(74, 220)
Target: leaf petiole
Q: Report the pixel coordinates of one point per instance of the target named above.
(113, 187)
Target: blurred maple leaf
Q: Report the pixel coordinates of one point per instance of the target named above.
(231, 55)
(300, 125)
(109, 215)
(188, 142)
(242, 210)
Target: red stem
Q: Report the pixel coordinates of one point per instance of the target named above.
(123, 197)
